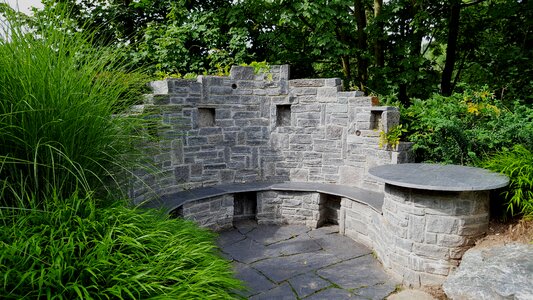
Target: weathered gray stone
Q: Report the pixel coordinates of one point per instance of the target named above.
(439, 177)
(356, 273)
(504, 272)
(325, 138)
(307, 284)
(334, 293)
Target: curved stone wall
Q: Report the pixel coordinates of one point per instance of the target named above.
(266, 128)
(263, 127)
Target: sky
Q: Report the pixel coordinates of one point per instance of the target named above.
(24, 5)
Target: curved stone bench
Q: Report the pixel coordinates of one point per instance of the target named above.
(308, 203)
(427, 217)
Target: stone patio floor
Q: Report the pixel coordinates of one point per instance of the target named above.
(296, 262)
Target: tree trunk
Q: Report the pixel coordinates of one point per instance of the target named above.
(346, 66)
(379, 54)
(362, 63)
(453, 34)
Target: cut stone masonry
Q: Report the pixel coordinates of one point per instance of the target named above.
(298, 151)
(263, 127)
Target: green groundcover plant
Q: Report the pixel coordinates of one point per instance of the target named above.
(72, 249)
(466, 127)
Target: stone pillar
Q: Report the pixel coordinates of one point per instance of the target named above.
(215, 213)
(431, 230)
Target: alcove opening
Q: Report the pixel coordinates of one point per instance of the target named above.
(283, 115)
(244, 206)
(177, 213)
(329, 207)
(206, 117)
(375, 120)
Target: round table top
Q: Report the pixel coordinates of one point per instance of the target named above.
(437, 177)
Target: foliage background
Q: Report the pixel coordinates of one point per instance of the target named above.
(407, 48)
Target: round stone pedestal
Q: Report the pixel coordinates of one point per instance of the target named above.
(433, 214)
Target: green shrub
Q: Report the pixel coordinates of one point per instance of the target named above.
(466, 127)
(517, 164)
(74, 250)
(60, 102)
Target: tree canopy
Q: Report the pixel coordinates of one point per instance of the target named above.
(406, 48)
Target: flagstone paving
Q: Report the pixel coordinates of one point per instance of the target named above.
(296, 262)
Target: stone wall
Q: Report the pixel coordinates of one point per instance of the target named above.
(215, 213)
(262, 127)
(436, 228)
(421, 235)
(281, 208)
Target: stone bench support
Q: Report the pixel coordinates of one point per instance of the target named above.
(431, 215)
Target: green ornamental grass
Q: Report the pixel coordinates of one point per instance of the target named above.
(66, 141)
(517, 164)
(73, 250)
(61, 103)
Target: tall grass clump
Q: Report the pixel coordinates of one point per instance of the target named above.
(517, 164)
(65, 141)
(61, 99)
(73, 250)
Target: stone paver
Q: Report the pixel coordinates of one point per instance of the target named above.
(410, 295)
(295, 262)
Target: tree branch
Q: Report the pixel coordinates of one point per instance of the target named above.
(472, 3)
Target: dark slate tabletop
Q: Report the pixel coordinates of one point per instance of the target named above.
(437, 177)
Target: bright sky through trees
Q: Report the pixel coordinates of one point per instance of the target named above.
(24, 5)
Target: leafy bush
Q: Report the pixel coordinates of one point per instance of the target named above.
(73, 250)
(464, 128)
(58, 95)
(517, 164)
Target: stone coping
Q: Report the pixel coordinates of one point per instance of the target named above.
(435, 177)
(174, 200)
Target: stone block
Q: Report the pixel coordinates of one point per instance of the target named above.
(324, 93)
(334, 132)
(336, 108)
(292, 202)
(301, 139)
(442, 224)
(333, 82)
(242, 73)
(306, 83)
(416, 228)
(182, 173)
(300, 91)
(299, 175)
(431, 251)
(451, 240)
(308, 122)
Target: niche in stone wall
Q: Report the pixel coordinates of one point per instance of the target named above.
(244, 206)
(283, 115)
(206, 117)
(329, 209)
(177, 213)
(376, 120)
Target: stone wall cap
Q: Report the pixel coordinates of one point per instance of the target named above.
(435, 177)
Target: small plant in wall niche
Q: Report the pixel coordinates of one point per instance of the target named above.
(391, 138)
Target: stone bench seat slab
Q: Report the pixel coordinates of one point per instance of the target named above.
(174, 200)
(435, 177)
